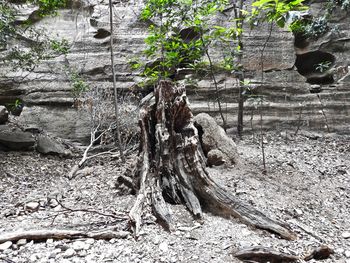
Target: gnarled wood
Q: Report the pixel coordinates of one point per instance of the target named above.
(264, 255)
(40, 235)
(171, 167)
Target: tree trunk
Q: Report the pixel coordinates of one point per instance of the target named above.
(171, 167)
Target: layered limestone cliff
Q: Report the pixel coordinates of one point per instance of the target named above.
(295, 92)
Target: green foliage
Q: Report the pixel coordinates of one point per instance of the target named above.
(60, 46)
(165, 44)
(79, 85)
(32, 44)
(15, 108)
(314, 28)
(323, 66)
(49, 7)
(276, 11)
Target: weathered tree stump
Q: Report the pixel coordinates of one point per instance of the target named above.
(171, 167)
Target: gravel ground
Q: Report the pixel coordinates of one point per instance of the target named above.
(307, 186)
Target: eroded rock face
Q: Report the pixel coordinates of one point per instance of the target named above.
(48, 100)
(13, 139)
(4, 115)
(217, 146)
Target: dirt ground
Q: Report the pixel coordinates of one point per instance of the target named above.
(307, 186)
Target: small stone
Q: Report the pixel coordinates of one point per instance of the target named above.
(5, 246)
(21, 242)
(69, 253)
(112, 241)
(33, 258)
(164, 247)
(347, 253)
(80, 245)
(90, 241)
(346, 234)
(299, 212)
(32, 206)
(49, 241)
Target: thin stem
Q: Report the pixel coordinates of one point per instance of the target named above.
(116, 109)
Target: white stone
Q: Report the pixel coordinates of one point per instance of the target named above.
(5, 246)
(21, 242)
(33, 258)
(80, 245)
(164, 246)
(346, 234)
(33, 206)
(347, 253)
(69, 253)
(298, 211)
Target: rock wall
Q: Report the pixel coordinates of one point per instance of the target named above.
(287, 66)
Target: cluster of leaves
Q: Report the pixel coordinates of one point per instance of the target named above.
(313, 28)
(167, 44)
(277, 11)
(79, 85)
(15, 107)
(318, 26)
(323, 66)
(29, 45)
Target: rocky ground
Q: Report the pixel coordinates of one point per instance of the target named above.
(307, 185)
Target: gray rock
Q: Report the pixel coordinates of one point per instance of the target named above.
(32, 206)
(5, 246)
(347, 253)
(15, 139)
(69, 253)
(80, 245)
(21, 242)
(4, 115)
(346, 234)
(217, 146)
(48, 145)
(164, 247)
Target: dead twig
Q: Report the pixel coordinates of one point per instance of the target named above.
(39, 235)
(67, 210)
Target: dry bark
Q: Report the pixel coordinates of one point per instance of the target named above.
(171, 167)
(39, 235)
(264, 254)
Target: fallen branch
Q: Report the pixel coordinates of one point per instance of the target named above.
(321, 252)
(93, 140)
(72, 210)
(264, 254)
(39, 235)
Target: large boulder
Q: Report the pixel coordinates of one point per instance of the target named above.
(15, 139)
(217, 146)
(48, 145)
(4, 115)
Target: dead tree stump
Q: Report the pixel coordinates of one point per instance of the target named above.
(171, 167)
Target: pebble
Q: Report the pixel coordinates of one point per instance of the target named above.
(33, 206)
(21, 242)
(298, 211)
(346, 234)
(33, 258)
(164, 247)
(69, 253)
(80, 245)
(347, 253)
(5, 246)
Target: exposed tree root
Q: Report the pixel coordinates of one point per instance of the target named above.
(264, 254)
(39, 235)
(171, 167)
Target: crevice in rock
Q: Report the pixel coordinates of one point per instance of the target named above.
(316, 67)
(102, 33)
(189, 34)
